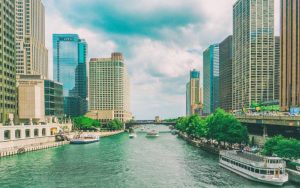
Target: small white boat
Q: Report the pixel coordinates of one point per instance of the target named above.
(84, 139)
(298, 168)
(152, 133)
(269, 170)
(132, 135)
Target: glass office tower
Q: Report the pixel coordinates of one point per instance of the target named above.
(211, 79)
(69, 63)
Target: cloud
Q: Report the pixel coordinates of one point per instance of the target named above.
(161, 41)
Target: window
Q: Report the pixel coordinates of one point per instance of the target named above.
(7, 135)
(27, 133)
(36, 132)
(18, 133)
(43, 132)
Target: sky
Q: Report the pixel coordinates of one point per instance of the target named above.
(161, 41)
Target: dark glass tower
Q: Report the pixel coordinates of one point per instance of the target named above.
(69, 57)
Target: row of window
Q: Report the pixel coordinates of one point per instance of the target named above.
(18, 134)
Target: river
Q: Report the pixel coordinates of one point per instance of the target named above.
(117, 162)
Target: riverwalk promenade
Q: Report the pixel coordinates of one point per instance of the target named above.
(14, 147)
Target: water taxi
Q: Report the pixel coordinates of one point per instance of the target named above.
(152, 133)
(84, 139)
(269, 170)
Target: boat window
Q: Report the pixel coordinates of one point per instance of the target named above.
(263, 172)
(257, 171)
(271, 172)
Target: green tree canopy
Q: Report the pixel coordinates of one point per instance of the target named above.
(115, 124)
(282, 147)
(85, 123)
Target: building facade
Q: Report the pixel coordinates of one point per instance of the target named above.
(39, 98)
(8, 90)
(54, 100)
(277, 70)
(211, 75)
(253, 52)
(109, 89)
(193, 94)
(69, 64)
(226, 74)
(31, 100)
(31, 52)
(290, 54)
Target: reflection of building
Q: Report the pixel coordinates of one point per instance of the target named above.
(38, 98)
(193, 94)
(109, 89)
(31, 53)
(7, 60)
(290, 54)
(69, 57)
(226, 74)
(211, 79)
(253, 52)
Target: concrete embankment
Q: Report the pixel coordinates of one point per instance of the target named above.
(294, 176)
(29, 148)
(197, 143)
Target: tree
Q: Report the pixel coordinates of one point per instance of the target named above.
(224, 127)
(85, 123)
(115, 124)
(282, 147)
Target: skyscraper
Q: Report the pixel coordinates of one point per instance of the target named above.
(253, 52)
(193, 94)
(211, 97)
(8, 88)
(277, 70)
(290, 54)
(31, 53)
(226, 74)
(69, 64)
(109, 89)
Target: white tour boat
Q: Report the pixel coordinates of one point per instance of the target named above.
(269, 170)
(84, 139)
(152, 133)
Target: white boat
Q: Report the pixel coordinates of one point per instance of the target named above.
(152, 133)
(269, 170)
(84, 139)
(132, 135)
(298, 168)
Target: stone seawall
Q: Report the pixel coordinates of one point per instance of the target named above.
(197, 143)
(29, 148)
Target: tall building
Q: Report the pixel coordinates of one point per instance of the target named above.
(8, 88)
(109, 89)
(69, 64)
(277, 70)
(253, 52)
(290, 54)
(193, 94)
(226, 74)
(31, 53)
(211, 97)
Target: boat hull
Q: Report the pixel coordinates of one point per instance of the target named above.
(83, 141)
(277, 183)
